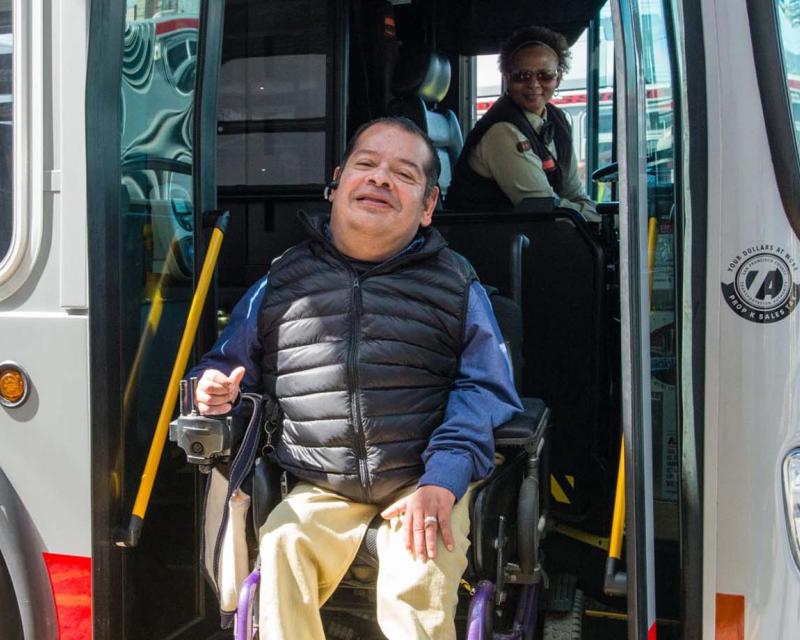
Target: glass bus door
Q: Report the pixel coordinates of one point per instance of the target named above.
(155, 161)
(650, 224)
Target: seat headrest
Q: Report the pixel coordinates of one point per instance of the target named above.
(421, 73)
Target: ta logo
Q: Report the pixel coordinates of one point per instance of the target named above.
(763, 285)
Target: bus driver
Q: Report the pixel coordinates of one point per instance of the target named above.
(522, 147)
(382, 349)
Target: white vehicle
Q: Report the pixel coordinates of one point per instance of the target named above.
(124, 124)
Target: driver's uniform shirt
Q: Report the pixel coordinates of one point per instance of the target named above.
(505, 156)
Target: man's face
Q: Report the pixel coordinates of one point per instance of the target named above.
(379, 203)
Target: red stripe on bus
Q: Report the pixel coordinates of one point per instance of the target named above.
(730, 617)
(71, 583)
(177, 23)
(651, 632)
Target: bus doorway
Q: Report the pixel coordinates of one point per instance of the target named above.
(292, 90)
(147, 241)
(252, 109)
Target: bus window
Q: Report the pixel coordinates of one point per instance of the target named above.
(274, 95)
(604, 130)
(6, 128)
(789, 31)
(775, 30)
(489, 85)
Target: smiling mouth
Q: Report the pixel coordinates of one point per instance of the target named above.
(374, 200)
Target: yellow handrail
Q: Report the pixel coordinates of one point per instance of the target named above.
(130, 537)
(652, 238)
(618, 520)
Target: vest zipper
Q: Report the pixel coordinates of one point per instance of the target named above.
(358, 427)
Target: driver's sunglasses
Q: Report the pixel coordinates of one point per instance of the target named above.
(542, 76)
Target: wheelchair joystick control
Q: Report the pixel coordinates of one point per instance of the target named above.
(185, 402)
(205, 440)
(193, 395)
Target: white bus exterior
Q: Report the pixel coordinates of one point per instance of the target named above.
(62, 490)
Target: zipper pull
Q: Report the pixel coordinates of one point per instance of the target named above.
(356, 284)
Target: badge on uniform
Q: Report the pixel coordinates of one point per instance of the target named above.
(523, 146)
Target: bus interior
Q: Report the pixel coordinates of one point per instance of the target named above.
(295, 79)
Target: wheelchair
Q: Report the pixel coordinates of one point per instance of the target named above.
(506, 517)
(508, 514)
(504, 580)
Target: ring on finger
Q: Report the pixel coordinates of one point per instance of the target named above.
(431, 520)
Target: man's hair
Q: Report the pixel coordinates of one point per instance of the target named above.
(432, 167)
(535, 35)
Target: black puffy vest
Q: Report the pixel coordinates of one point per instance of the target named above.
(470, 191)
(362, 365)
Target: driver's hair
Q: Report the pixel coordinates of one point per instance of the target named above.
(530, 36)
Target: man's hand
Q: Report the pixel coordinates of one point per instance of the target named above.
(217, 392)
(425, 513)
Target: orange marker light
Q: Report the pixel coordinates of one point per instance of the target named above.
(13, 385)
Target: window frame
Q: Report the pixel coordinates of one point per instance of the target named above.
(27, 160)
(331, 124)
(776, 105)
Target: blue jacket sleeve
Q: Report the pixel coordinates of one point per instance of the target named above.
(461, 449)
(238, 344)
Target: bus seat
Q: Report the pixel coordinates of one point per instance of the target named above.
(420, 81)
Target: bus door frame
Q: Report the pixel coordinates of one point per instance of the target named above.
(103, 131)
(209, 61)
(634, 317)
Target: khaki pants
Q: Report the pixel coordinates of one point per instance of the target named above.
(309, 542)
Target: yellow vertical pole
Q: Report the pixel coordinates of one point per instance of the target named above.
(130, 538)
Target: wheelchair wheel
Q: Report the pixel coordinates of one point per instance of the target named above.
(567, 625)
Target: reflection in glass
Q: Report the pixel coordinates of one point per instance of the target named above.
(6, 128)
(659, 116)
(156, 283)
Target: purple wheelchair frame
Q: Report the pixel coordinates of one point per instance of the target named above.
(480, 606)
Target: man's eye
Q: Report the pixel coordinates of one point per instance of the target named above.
(406, 175)
(364, 163)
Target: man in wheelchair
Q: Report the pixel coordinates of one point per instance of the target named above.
(383, 354)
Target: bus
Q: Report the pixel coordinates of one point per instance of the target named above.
(127, 126)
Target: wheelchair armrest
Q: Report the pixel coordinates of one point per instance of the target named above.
(538, 205)
(525, 429)
(607, 208)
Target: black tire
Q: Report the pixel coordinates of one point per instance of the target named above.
(10, 622)
(567, 625)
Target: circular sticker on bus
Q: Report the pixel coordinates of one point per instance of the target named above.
(762, 284)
